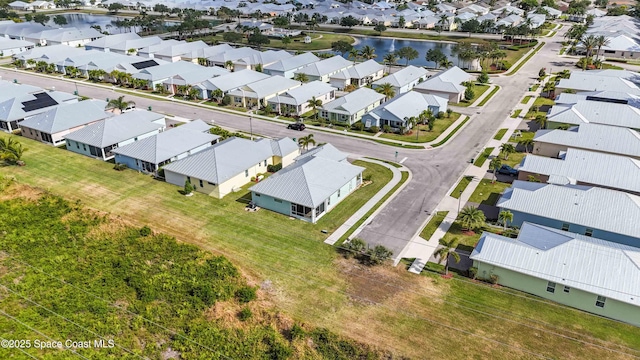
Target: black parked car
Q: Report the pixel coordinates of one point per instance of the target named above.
(507, 170)
(296, 126)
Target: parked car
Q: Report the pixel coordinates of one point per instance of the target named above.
(296, 126)
(507, 170)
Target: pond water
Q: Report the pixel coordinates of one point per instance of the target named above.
(85, 21)
(384, 46)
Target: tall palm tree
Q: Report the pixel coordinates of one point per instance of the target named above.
(600, 41)
(494, 165)
(305, 141)
(302, 77)
(507, 149)
(446, 249)
(119, 104)
(443, 22)
(589, 43)
(445, 63)
(314, 103)
(541, 120)
(471, 218)
(354, 54)
(526, 143)
(228, 64)
(390, 59)
(387, 90)
(505, 216)
(368, 52)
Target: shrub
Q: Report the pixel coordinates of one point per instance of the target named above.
(245, 314)
(354, 247)
(246, 294)
(483, 78)
(119, 167)
(374, 129)
(161, 172)
(145, 231)
(359, 126)
(473, 272)
(188, 188)
(274, 168)
(440, 114)
(367, 177)
(226, 100)
(493, 278)
(296, 332)
(376, 256)
(504, 65)
(387, 128)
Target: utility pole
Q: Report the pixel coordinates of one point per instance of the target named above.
(459, 199)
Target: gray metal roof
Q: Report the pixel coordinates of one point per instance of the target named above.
(589, 264)
(353, 101)
(118, 128)
(608, 210)
(308, 182)
(67, 116)
(282, 147)
(403, 77)
(266, 87)
(168, 144)
(304, 93)
(223, 160)
(599, 169)
(596, 112)
(596, 137)
(448, 80)
(292, 63)
(584, 82)
(407, 105)
(167, 70)
(14, 109)
(360, 71)
(326, 151)
(326, 66)
(234, 80)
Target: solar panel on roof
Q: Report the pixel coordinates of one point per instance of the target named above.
(144, 64)
(42, 100)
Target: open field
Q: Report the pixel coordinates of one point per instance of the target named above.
(307, 280)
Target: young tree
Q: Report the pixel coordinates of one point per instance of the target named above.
(286, 41)
(380, 28)
(494, 166)
(526, 144)
(367, 52)
(349, 21)
(305, 141)
(40, 19)
(341, 46)
(390, 59)
(188, 188)
(60, 20)
(446, 249)
(504, 217)
(11, 151)
(507, 149)
(407, 53)
(483, 78)
(119, 104)
(314, 103)
(469, 93)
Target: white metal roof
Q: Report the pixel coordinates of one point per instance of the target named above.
(326, 66)
(292, 63)
(353, 101)
(597, 112)
(608, 210)
(403, 77)
(67, 116)
(596, 137)
(593, 265)
(302, 94)
(234, 80)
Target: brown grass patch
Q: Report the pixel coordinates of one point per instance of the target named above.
(111, 227)
(15, 190)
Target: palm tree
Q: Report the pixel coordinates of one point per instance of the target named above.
(387, 90)
(600, 41)
(305, 141)
(445, 63)
(407, 53)
(589, 42)
(11, 150)
(505, 216)
(302, 77)
(541, 120)
(217, 94)
(119, 104)
(31, 62)
(390, 59)
(368, 52)
(446, 249)
(354, 54)
(471, 218)
(507, 149)
(228, 64)
(314, 103)
(444, 21)
(494, 165)
(526, 143)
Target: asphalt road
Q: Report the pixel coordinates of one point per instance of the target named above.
(434, 171)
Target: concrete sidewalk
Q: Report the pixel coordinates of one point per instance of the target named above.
(360, 213)
(422, 249)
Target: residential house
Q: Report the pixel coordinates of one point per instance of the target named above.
(258, 93)
(228, 165)
(51, 126)
(18, 31)
(403, 80)
(228, 82)
(65, 36)
(447, 84)
(350, 108)
(584, 81)
(105, 43)
(159, 74)
(260, 59)
(553, 13)
(288, 66)
(510, 21)
(594, 112)
(191, 78)
(200, 55)
(309, 188)
(324, 69)
(150, 154)
(97, 140)
(20, 6)
(45, 5)
(223, 59)
(10, 47)
(608, 96)
(508, 10)
(18, 102)
(582, 167)
(593, 137)
(362, 74)
(474, 9)
(173, 53)
(593, 211)
(296, 101)
(586, 273)
(396, 112)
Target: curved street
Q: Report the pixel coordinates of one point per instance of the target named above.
(434, 171)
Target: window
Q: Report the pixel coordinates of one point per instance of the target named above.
(300, 210)
(257, 195)
(201, 184)
(566, 289)
(210, 183)
(265, 163)
(84, 147)
(278, 201)
(77, 145)
(189, 178)
(551, 287)
(320, 209)
(338, 192)
(600, 301)
(246, 173)
(588, 232)
(565, 227)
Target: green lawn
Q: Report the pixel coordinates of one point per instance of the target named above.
(464, 182)
(516, 113)
(488, 193)
(433, 224)
(488, 97)
(446, 138)
(537, 104)
(463, 237)
(523, 135)
(483, 156)
(535, 87)
(500, 134)
(524, 61)
(478, 90)
(514, 159)
(526, 99)
(318, 41)
(440, 126)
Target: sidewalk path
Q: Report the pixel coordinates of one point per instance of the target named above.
(360, 213)
(422, 249)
